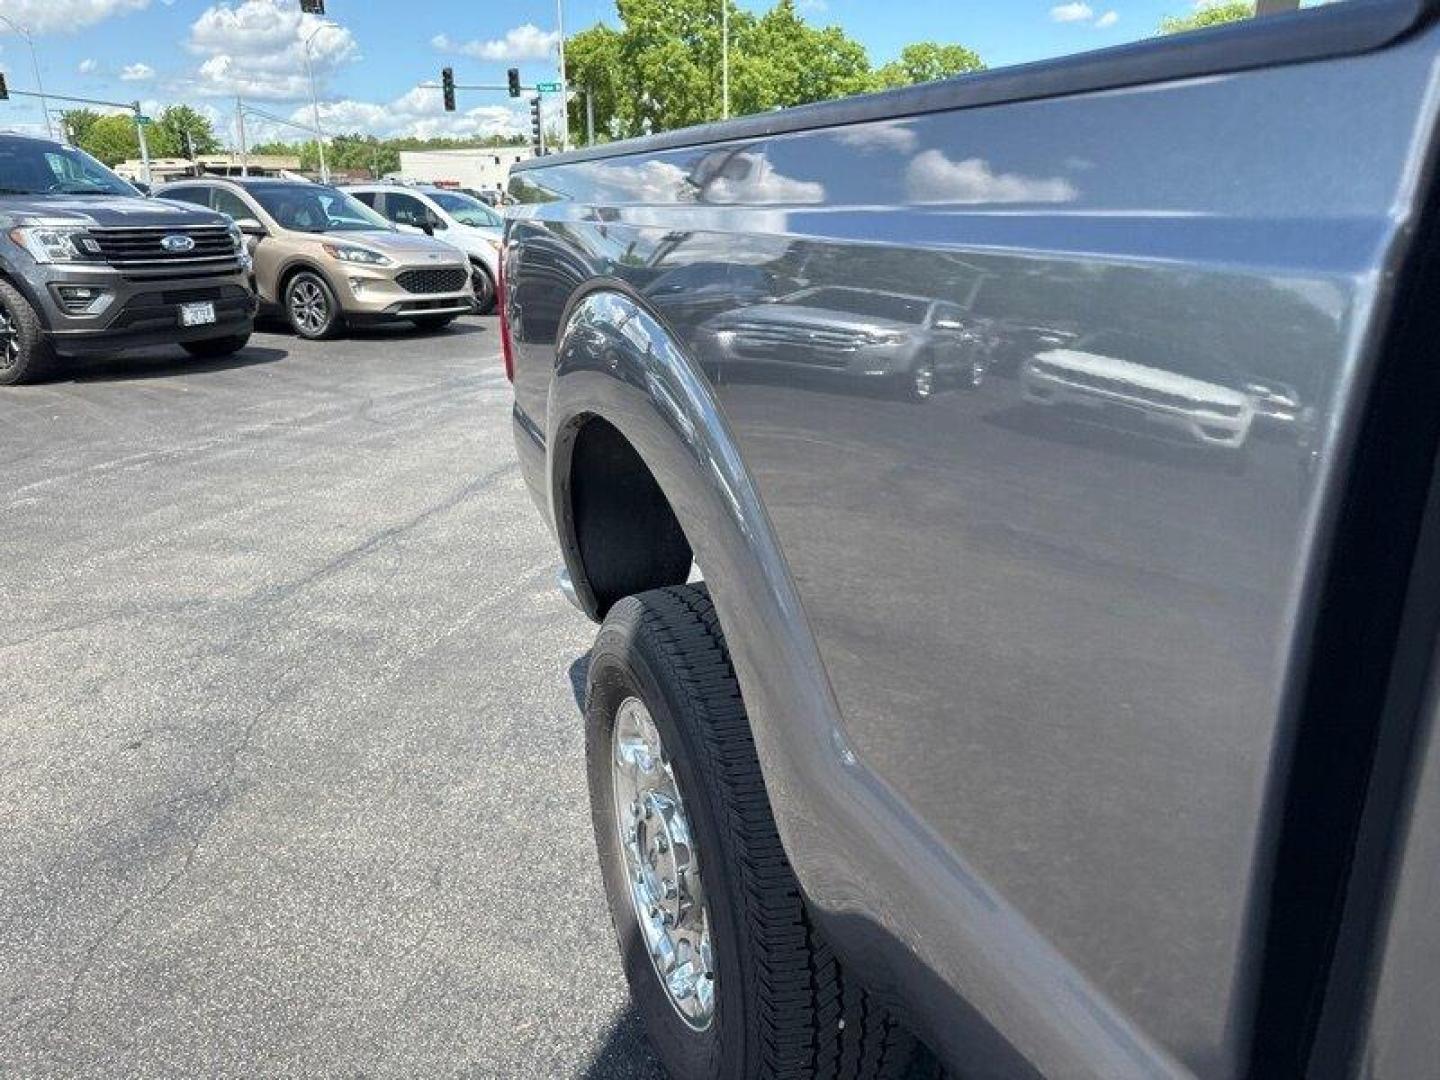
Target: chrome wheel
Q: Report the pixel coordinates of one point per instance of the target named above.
(662, 868)
(9, 340)
(309, 306)
(922, 380)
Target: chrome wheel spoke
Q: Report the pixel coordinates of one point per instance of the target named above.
(661, 864)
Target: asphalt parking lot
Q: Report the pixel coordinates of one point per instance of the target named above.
(290, 762)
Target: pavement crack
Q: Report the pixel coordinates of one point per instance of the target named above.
(352, 555)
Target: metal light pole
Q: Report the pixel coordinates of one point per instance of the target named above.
(35, 64)
(315, 101)
(724, 59)
(564, 85)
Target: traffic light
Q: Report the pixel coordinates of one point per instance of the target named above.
(514, 76)
(4, 88)
(447, 87)
(312, 7)
(537, 138)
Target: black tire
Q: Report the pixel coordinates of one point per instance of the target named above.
(25, 353)
(310, 291)
(484, 286)
(783, 1005)
(919, 383)
(431, 323)
(219, 346)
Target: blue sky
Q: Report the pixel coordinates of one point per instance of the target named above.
(203, 52)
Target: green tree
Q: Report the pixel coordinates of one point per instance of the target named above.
(592, 62)
(167, 135)
(1212, 14)
(661, 68)
(926, 61)
(111, 138)
(781, 60)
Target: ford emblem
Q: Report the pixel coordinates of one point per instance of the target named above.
(177, 243)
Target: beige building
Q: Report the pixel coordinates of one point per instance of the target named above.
(481, 168)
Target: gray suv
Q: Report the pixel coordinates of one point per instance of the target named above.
(88, 265)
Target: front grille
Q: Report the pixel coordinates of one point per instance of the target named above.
(441, 279)
(141, 248)
(809, 345)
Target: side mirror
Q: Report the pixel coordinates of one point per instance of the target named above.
(428, 228)
(142, 187)
(250, 226)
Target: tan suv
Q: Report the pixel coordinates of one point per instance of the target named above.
(325, 260)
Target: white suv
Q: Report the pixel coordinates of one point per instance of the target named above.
(459, 219)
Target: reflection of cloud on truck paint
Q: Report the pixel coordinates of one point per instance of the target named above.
(931, 177)
(1125, 380)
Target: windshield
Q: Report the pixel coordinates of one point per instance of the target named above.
(315, 208)
(466, 210)
(39, 168)
(906, 309)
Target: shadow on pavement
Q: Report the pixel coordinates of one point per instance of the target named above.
(159, 365)
(579, 672)
(626, 1054)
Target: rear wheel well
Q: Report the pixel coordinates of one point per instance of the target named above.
(626, 534)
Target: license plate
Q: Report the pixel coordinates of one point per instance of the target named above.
(197, 314)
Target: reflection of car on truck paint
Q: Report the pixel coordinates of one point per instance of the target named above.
(1018, 741)
(1126, 377)
(914, 343)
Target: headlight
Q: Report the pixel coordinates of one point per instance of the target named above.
(352, 254)
(52, 243)
(496, 244)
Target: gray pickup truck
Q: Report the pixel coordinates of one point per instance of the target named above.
(1079, 723)
(90, 266)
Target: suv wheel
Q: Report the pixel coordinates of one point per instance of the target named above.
(311, 307)
(919, 384)
(726, 969)
(484, 287)
(24, 351)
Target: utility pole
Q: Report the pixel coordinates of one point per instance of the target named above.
(140, 119)
(724, 59)
(240, 130)
(589, 117)
(564, 86)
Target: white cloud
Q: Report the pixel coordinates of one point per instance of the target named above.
(256, 49)
(418, 112)
(525, 42)
(888, 136)
(1072, 12)
(933, 178)
(43, 16)
(87, 66)
(136, 73)
(1109, 19)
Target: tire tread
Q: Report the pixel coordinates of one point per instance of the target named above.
(810, 1020)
